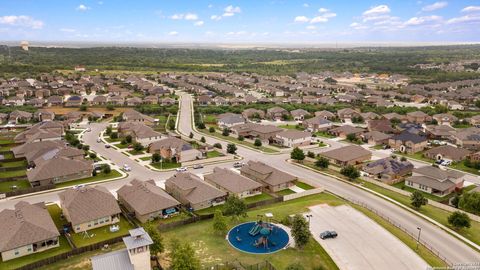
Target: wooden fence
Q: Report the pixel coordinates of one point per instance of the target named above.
(28, 190)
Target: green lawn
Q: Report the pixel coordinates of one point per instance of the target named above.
(296, 127)
(8, 155)
(213, 154)
(401, 185)
(7, 186)
(101, 234)
(166, 165)
(303, 185)
(56, 214)
(110, 140)
(285, 192)
(422, 251)
(209, 119)
(472, 233)
(461, 166)
(16, 263)
(213, 249)
(180, 216)
(324, 134)
(14, 164)
(418, 156)
(121, 146)
(13, 173)
(235, 141)
(258, 198)
(99, 177)
(135, 152)
(146, 158)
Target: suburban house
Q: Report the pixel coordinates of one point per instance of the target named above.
(139, 131)
(293, 138)
(276, 113)
(52, 169)
(299, 114)
(475, 120)
(475, 157)
(447, 152)
(193, 192)
(134, 116)
(88, 208)
(44, 131)
(147, 200)
(388, 170)
(31, 148)
(271, 178)
(17, 117)
(375, 137)
(395, 117)
(435, 181)
(26, 230)
(441, 132)
(407, 142)
(347, 114)
(381, 125)
(418, 117)
(230, 120)
(345, 130)
(233, 183)
(135, 255)
(468, 138)
(172, 148)
(253, 113)
(44, 115)
(444, 118)
(325, 115)
(348, 155)
(266, 133)
(317, 123)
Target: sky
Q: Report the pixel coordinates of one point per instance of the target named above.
(247, 21)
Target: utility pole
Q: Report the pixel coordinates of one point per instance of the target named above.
(418, 238)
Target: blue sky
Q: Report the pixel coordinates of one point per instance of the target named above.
(274, 21)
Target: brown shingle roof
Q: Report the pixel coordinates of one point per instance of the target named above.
(231, 181)
(196, 190)
(267, 173)
(58, 167)
(347, 153)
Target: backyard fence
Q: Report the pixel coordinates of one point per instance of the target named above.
(167, 226)
(303, 194)
(10, 169)
(236, 265)
(12, 159)
(28, 190)
(405, 230)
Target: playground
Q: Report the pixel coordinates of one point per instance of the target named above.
(258, 237)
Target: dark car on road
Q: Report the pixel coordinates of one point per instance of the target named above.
(328, 234)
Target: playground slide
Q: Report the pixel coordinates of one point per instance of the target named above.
(255, 230)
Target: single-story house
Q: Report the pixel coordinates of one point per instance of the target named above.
(348, 155)
(299, 114)
(134, 116)
(388, 170)
(58, 169)
(345, 130)
(407, 142)
(317, 123)
(293, 138)
(375, 137)
(176, 149)
(271, 178)
(435, 181)
(276, 113)
(139, 131)
(233, 183)
(447, 152)
(230, 120)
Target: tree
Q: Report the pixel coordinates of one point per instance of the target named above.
(403, 159)
(226, 132)
(241, 138)
(128, 139)
(137, 147)
(171, 124)
(459, 220)
(231, 148)
(85, 147)
(470, 201)
(211, 129)
(350, 171)
(157, 246)
(219, 223)
(106, 169)
(203, 140)
(417, 199)
(108, 131)
(201, 125)
(217, 145)
(310, 154)
(257, 143)
(322, 162)
(110, 107)
(235, 207)
(455, 200)
(183, 257)
(297, 154)
(114, 135)
(300, 231)
(156, 158)
(92, 155)
(351, 137)
(295, 266)
(83, 108)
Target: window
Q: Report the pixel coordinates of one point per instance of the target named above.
(29, 249)
(16, 252)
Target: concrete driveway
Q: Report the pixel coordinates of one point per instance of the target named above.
(361, 243)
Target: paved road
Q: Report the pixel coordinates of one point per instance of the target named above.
(450, 247)
(361, 243)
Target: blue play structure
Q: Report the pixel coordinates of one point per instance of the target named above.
(258, 237)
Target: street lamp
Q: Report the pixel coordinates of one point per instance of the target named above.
(309, 216)
(418, 239)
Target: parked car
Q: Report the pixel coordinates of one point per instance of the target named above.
(328, 234)
(181, 169)
(446, 163)
(89, 129)
(238, 164)
(107, 146)
(126, 168)
(198, 166)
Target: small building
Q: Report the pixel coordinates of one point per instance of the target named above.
(375, 137)
(448, 152)
(299, 114)
(435, 181)
(407, 142)
(325, 115)
(276, 113)
(88, 208)
(444, 118)
(147, 200)
(252, 113)
(388, 170)
(26, 230)
(135, 255)
(134, 116)
(230, 120)
(176, 149)
(233, 183)
(193, 192)
(317, 123)
(55, 169)
(139, 131)
(418, 117)
(348, 155)
(347, 114)
(293, 138)
(271, 178)
(345, 130)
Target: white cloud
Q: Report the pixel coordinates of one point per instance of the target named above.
(21, 21)
(82, 7)
(210, 6)
(358, 26)
(377, 10)
(301, 19)
(471, 9)
(306, 5)
(215, 17)
(435, 6)
(465, 19)
(322, 10)
(173, 33)
(311, 27)
(231, 11)
(198, 23)
(177, 17)
(191, 17)
(323, 17)
(422, 20)
(67, 30)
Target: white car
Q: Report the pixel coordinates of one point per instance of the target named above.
(181, 169)
(127, 168)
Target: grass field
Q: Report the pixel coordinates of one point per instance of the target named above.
(213, 154)
(101, 234)
(295, 127)
(99, 177)
(258, 198)
(7, 186)
(235, 141)
(166, 165)
(13, 173)
(285, 192)
(21, 163)
(213, 249)
(303, 185)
